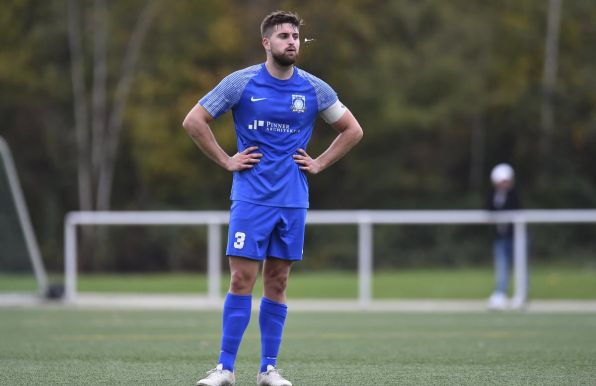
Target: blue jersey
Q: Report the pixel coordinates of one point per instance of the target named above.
(277, 116)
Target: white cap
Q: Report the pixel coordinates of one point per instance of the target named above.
(502, 172)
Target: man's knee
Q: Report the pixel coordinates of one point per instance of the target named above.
(241, 281)
(278, 286)
(276, 282)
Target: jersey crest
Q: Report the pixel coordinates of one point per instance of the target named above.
(298, 103)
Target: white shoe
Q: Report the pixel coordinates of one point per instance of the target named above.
(271, 377)
(218, 377)
(497, 302)
(518, 303)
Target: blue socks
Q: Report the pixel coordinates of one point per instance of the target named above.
(272, 318)
(236, 315)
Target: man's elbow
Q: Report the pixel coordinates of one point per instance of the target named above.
(196, 120)
(192, 125)
(358, 134)
(188, 123)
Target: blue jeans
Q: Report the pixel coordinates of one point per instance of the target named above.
(503, 255)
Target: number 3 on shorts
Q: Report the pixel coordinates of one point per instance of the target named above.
(240, 237)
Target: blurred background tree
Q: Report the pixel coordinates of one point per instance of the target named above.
(443, 90)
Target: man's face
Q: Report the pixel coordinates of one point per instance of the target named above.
(284, 44)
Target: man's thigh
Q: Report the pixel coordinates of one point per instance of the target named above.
(287, 240)
(250, 230)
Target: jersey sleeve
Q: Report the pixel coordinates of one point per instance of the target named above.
(228, 92)
(326, 96)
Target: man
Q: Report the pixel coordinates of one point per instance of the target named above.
(274, 105)
(503, 196)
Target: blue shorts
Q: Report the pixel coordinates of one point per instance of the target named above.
(257, 231)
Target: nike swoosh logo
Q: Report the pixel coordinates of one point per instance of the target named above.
(253, 99)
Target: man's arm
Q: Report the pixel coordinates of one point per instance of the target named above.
(196, 124)
(350, 133)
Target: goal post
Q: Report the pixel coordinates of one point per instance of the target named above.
(24, 222)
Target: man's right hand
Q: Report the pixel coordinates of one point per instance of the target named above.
(243, 160)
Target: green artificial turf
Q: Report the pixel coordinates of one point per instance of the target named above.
(54, 346)
(550, 282)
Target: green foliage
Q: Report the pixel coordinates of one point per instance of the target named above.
(443, 90)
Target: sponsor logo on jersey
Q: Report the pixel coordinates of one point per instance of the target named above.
(253, 99)
(298, 103)
(256, 124)
(275, 127)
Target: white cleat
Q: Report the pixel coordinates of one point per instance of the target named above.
(218, 377)
(271, 377)
(497, 302)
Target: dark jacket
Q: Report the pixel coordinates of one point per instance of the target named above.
(511, 202)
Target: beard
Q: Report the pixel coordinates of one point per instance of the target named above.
(283, 59)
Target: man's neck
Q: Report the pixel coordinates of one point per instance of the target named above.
(279, 72)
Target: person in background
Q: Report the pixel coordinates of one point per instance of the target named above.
(503, 196)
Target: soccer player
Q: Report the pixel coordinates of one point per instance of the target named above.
(274, 106)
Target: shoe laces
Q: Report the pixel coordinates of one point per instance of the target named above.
(273, 371)
(217, 369)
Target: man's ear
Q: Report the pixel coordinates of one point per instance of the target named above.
(266, 44)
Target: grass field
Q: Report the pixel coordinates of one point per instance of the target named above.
(55, 346)
(552, 282)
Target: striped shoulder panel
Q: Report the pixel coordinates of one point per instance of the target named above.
(326, 96)
(228, 92)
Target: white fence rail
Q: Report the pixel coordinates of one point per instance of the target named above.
(364, 219)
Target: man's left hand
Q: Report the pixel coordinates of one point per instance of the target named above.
(306, 163)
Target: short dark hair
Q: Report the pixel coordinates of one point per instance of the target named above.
(279, 17)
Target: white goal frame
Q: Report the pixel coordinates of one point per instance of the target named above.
(364, 219)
